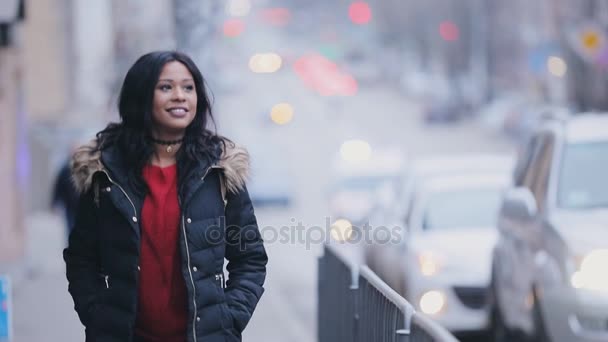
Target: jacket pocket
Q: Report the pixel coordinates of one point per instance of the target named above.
(103, 288)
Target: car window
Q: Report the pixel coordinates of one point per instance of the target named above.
(583, 182)
(462, 208)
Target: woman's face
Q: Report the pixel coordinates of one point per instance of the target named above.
(174, 105)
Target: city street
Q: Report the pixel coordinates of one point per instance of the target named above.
(288, 308)
(378, 113)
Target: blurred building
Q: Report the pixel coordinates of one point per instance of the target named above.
(12, 171)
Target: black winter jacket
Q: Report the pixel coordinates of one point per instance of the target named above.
(103, 252)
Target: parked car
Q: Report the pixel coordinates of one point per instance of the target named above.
(446, 165)
(358, 188)
(442, 264)
(549, 266)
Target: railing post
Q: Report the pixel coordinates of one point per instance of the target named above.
(321, 328)
(354, 287)
(403, 335)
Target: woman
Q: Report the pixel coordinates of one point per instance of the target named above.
(163, 202)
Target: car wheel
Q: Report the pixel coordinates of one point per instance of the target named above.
(540, 331)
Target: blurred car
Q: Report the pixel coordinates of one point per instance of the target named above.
(358, 188)
(442, 265)
(361, 66)
(549, 268)
(502, 112)
(271, 181)
(434, 166)
(440, 98)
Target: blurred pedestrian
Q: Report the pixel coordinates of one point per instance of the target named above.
(65, 195)
(164, 202)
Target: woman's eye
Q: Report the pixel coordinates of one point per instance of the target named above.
(189, 88)
(165, 87)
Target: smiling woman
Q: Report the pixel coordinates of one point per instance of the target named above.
(163, 203)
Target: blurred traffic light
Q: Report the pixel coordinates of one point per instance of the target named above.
(233, 27)
(275, 16)
(591, 39)
(359, 12)
(449, 31)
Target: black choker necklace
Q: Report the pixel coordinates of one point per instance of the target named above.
(167, 143)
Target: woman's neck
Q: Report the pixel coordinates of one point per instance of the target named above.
(161, 157)
(164, 154)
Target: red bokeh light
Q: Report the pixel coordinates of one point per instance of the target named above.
(324, 77)
(275, 16)
(359, 12)
(449, 31)
(233, 27)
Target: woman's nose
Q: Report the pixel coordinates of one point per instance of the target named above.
(178, 94)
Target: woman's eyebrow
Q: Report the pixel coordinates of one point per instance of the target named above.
(170, 80)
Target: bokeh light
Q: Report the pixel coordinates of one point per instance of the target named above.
(238, 8)
(324, 76)
(557, 66)
(233, 28)
(282, 113)
(432, 302)
(449, 31)
(360, 13)
(356, 150)
(265, 63)
(591, 40)
(341, 230)
(275, 16)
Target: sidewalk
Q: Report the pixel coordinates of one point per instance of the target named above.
(42, 307)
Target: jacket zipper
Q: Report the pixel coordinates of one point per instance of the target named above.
(220, 277)
(191, 279)
(190, 267)
(134, 218)
(124, 192)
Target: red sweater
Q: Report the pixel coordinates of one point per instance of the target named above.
(162, 306)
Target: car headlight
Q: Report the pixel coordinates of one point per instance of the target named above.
(432, 302)
(591, 272)
(429, 263)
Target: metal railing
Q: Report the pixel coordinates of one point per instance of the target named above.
(356, 305)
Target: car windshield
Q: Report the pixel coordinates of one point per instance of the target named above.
(583, 181)
(463, 208)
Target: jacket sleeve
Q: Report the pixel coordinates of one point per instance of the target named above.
(81, 259)
(246, 258)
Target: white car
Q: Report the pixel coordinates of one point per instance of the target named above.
(550, 264)
(357, 188)
(446, 165)
(442, 266)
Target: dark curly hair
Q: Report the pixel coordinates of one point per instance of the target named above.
(135, 104)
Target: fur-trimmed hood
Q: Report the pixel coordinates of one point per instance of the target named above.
(234, 163)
